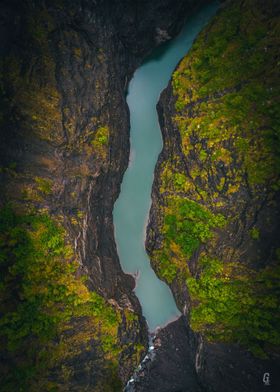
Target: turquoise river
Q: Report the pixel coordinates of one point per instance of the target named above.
(131, 210)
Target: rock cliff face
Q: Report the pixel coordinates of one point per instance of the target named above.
(169, 367)
(214, 223)
(70, 319)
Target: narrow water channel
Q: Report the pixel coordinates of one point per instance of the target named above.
(132, 207)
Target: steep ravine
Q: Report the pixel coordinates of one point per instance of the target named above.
(214, 222)
(64, 147)
(69, 318)
(132, 207)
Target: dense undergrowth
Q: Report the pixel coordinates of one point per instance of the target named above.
(41, 294)
(226, 111)
(237, 304)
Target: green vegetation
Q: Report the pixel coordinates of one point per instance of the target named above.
(236, 304)
(41, 294)
(102, 135)
(255, 233)
(43, 185)
(236, 110)
(189, 224)
(226, 112)
(100, 141)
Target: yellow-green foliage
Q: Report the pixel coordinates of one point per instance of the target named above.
(92, 142)
(100, 141)
(230, 77)
(41, 294)
(43, 185)
(186, 226)
(234, 303)
(36, 191)
(255, 233)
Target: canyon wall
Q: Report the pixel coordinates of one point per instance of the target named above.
(70, 319)
(213, 234)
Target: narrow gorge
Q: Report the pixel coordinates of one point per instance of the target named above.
(74, 172)
(132, 207)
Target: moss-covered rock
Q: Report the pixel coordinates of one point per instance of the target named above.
(215, 218)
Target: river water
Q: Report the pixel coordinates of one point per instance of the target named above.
(132, 207)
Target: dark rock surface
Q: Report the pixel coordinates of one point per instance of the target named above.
(183, 362)
(224, 367)
(172, 368)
